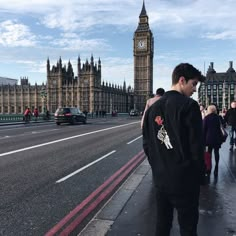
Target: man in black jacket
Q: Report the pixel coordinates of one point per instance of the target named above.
(173, 143)
(230, 119)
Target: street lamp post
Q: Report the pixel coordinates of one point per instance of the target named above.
(111, 108)
(44, 99)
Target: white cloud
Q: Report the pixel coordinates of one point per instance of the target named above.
(13, 34)
(222, 35)
(69, 28)
(74, 15)
(200, 16)
(176, 16)
(69, 42)
(117, 70)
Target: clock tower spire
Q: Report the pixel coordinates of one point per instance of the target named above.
(143, 50)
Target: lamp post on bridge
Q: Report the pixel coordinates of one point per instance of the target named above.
(43, 95)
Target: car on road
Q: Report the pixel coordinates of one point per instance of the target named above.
(70, 115)
(133, 112)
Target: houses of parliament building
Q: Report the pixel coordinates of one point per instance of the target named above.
(86, 89)
(218, 88)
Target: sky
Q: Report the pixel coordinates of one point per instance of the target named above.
(193, 31)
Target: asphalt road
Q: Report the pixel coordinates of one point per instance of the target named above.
(46, 171)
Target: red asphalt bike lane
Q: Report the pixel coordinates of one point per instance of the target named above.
(67, 225)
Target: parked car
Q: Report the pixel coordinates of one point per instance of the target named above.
(133, 112)
(70, 115)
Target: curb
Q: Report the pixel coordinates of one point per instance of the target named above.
(104, 219)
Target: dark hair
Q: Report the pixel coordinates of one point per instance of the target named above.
(187, 71)
(160, 91)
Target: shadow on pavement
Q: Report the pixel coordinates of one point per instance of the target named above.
(217, 211)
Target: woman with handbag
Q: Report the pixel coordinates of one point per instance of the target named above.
(212, 134)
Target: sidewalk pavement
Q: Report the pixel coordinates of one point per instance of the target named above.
(23, 122)
(131, 210)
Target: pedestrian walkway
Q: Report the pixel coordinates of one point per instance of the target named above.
(23, 122)
(131, 210)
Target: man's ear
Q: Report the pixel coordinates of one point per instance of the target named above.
(182, 80)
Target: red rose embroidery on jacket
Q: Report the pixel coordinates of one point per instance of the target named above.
(158, 120)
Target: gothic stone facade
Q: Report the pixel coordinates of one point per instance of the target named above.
(143, 50)
(14, 99)
(219, 87)
(85, 90)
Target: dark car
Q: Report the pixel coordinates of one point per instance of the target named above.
(70, 115)
(133, 112)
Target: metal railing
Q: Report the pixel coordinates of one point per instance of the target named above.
(7, 118)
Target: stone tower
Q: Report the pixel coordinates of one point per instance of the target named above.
(143, 48)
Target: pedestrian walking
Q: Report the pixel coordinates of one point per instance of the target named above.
(230, 119)
(173, 143)
(150, 101)
(223, 113)
(27, 114)
(212, 135)
(47, 114)
(203, 111)
(36, 113)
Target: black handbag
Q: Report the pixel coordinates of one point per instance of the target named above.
(223, 132)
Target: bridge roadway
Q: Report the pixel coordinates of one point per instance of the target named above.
(32, 202)
(47, 171)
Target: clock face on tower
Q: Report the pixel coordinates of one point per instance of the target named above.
(141, 44)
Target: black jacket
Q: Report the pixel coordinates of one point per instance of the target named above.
(212, 131)
(177, 165)
(230, 117)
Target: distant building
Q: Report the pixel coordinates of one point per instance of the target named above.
(219, 87)
(4, 80)
(63, 88)
(86, 89)
(15, 98)
(143, 50)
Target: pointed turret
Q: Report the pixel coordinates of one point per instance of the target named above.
(99, 64)
(60, 64)
(70, 69)
(79, 66)
(211, 68)
(143, 20)
(48, 65)
(143, 11)
(92, 63)
(124, 85)
(231, 69)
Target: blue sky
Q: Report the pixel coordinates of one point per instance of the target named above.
(194, 31)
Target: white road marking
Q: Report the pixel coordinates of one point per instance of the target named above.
(5, 137)
(64, 139)
(43, 131)
(135, 139)
(85, 167)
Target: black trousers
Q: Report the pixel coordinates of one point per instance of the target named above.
(187, 211)
(216, 153)
(232, 138)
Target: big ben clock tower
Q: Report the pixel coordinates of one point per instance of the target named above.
(143, 43)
